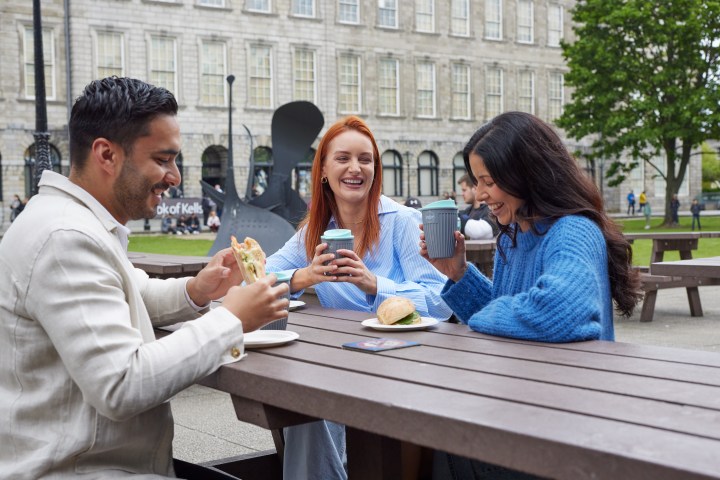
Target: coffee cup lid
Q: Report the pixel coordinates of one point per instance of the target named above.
(283, 276)
(337, 234)
(440, 204)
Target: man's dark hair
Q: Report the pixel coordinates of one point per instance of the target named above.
(118, 109)
(465, 179)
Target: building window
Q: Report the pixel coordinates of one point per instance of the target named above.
(428, 174)
(348, 11)
(110, 54)
(387, 13)
(555, 25)
(555, 95)
(349, 100)
(459, 17)
(493, 19)
(493, 92)
(389, 85)
(304, 75)
(212, 81)
(425, 94)
(425, 15)
(163, 63)
(258, 6)
(263, 160)
(460, 91)
(211, 3)
(525, 27)
(260, 73)
(392, 173)
(458, 168)
(48, 62)
(303, 8)
(526, 91)
(30, 166)
(303, 175)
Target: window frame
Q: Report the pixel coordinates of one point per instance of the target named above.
(255, 77)
(432, 169)
(204, 96)
(531, 19)
(419, 90)
(455, 19)
(454, 91)
(358, 85)
(382, 8)
(382, 88)
(152, 59)
(49, 62)
(498, 21)
(343, 6)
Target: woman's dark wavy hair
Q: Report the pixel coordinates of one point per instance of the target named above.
(118, 109)
(526, 158)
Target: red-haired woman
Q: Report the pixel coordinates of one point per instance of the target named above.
(346, 193)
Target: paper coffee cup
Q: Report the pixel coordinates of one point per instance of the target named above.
(337, 239)
(282, 277)
(439, 224)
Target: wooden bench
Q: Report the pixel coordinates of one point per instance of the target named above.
(684, 243)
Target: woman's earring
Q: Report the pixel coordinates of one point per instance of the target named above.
(323, 180)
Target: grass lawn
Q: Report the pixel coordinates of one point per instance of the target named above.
(169, 244)
(708, 247)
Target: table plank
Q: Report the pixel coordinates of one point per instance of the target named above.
(557, 444)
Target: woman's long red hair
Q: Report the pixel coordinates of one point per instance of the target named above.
(322, 203)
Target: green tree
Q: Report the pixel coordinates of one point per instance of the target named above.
(710, 168)
(645, 77)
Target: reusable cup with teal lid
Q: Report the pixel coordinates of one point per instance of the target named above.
(282, 277)
(439, 224)
(338, 238)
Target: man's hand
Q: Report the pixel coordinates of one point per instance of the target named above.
(259, 303)
(213, 281)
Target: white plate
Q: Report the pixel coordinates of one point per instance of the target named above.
(269, 338)
(425, 322)
(295, 304)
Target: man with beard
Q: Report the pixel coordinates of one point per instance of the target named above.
(83, 383)
(476, 222)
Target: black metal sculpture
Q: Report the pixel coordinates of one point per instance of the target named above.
(295, 126)
(269, 217)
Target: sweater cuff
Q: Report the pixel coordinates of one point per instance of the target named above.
(469, 295)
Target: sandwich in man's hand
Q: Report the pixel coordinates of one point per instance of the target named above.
(398, 311)
(250, 258)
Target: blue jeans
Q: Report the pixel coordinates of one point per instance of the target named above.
(315, 451)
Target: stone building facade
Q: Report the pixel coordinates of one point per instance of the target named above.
(424, 74)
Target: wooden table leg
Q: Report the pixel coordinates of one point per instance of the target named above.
(372, 457)
(693, 293)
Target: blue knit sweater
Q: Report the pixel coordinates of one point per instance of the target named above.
(551, 288)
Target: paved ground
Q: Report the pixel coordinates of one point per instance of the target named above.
(206, 428)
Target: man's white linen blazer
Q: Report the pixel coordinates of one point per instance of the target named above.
(84, 385)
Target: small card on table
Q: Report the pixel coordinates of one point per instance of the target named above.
(379, 344)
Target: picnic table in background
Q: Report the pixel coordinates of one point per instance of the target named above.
(684, 243)
(158, 265)
(482, 254)
(595, 409)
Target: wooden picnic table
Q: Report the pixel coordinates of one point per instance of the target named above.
(596, 409)
(160, 265)
(684, 243)
(697, 267)
(482, 254)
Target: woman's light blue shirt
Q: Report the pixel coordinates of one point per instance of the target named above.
(396, 262)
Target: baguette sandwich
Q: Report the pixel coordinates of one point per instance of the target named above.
(250, 258)
(398, 311)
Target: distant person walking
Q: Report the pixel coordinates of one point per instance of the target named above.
(631, 203)
(642, 200)
(647, 211)
(674, 207)
(695, 210)
(16, 206)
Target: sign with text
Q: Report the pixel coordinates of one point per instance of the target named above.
(179, 206)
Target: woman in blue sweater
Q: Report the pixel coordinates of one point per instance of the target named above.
(560, 260)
